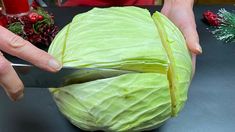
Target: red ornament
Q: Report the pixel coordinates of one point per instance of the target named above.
(40, 17)
(33, 17)
(211, 18)
(13, 7)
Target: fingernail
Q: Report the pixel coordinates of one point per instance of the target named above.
(20, 97)
(199, 48)
(54, 64)
(16, 98)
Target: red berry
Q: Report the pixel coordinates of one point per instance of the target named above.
(211, 18)
(33, 17)
(33, 14)
(40, 17)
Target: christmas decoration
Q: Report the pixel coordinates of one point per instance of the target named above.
(36, 25)
(222, 24)
(211, 18)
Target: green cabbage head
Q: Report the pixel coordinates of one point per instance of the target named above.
(126, 38)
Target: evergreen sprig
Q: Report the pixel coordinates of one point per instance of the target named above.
(226, 30)
(47, 21)
(16, 27)
(47, 17)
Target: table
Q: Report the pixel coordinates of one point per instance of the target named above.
(211, 98)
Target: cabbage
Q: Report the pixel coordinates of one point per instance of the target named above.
(126, 38)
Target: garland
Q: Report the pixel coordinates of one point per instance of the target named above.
(222, 24)
(37, 27)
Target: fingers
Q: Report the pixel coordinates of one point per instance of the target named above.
(188, 28)
(21, 48)
(186, 25)
(192, 40)
(9, 80)
(166, 8)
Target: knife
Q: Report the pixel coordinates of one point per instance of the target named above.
(34, 77)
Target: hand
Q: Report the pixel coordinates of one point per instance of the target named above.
(17, 46)
(181, 14)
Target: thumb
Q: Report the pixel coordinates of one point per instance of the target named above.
(192, 40)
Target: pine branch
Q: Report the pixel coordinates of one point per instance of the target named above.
(226, 30)
(16, 27)
(47, 18)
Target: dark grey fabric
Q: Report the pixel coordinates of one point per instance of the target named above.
(211, 98)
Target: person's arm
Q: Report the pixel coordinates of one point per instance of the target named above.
(17, 46)
(180, 12)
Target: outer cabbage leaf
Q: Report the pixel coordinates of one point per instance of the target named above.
(180, 70)
(125, 38)
(131, 102)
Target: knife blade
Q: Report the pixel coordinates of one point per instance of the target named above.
(34, 77)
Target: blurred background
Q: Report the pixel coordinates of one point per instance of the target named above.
(160, 2)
